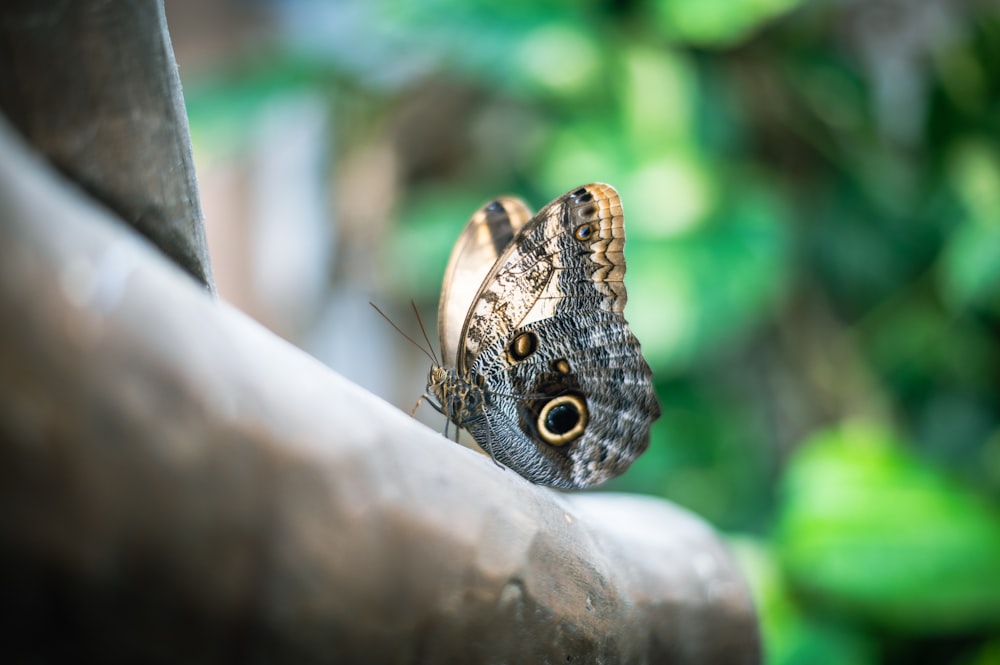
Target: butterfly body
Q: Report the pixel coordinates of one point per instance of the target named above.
(539, 363)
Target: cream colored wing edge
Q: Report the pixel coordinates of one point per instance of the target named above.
(480, 244)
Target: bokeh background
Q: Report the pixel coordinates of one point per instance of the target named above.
(812, 195)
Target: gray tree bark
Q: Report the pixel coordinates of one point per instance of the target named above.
(179, 485)
(94, 87)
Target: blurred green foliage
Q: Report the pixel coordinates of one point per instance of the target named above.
(813, 201)
(867, 526)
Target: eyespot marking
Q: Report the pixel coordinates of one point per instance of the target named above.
(560, 365)
(522, 346)
(562, 420)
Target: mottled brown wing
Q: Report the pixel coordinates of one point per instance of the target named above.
(486, 236)
(570, 407)
(522, 285)
(569, 399)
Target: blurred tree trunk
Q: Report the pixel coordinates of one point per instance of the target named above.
(179, 485)
(93, 86)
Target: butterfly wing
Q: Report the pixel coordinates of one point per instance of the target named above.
(486, 236)
(569, 396)
(577, 411)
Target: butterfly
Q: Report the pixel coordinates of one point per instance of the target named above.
(538, 362)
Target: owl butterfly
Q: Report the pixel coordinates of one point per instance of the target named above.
(538, 362)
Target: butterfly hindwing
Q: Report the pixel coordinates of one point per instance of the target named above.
(577, 409)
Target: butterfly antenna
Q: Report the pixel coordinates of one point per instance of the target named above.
(423, 331)
(412, 341)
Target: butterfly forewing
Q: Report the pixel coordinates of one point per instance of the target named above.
(546, 269)
(486, 236)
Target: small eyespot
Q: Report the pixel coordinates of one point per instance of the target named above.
(522, 346)
(583, 232)
(562, 420)
(560, 365)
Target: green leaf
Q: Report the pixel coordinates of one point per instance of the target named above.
(791, 636)
(867, 527)
(717, 22)
(691, 293)
(970, 270)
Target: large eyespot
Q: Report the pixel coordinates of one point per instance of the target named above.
(522, 346)
(562, 419)
(584, 232)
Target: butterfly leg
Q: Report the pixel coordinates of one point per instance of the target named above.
(436, 407)
(413, 411)
(430, 400)
(489, 441)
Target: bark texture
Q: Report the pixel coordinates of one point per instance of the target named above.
(94, 87)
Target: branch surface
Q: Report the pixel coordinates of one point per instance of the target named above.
(179, 485)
